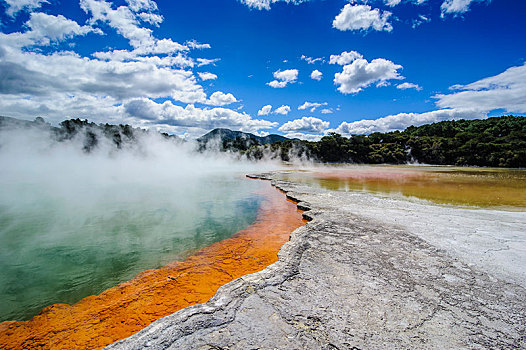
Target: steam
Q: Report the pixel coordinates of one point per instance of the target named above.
(73, 219)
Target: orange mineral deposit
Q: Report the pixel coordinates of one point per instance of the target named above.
(117, 313)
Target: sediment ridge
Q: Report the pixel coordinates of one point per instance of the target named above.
(347, 281)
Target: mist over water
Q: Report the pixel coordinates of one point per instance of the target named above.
(73, 223)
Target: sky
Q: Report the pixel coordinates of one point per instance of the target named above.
(299, 68)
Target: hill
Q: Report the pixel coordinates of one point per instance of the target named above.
(226, 139)
(227, 134)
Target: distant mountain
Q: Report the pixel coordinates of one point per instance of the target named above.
(230, 135)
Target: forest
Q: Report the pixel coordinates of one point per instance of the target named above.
(494, 142)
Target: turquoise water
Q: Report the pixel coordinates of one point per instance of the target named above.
(61, 246)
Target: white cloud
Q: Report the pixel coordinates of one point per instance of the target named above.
(311, 60)
(345, 58)
(265, 110)
(59, 84)
(169, 114)
(127, 23)
(305, 125)
(326, 111)
(261, 133)
(506, 90)
(207, 76)
(265, 4)
(15, 6)
(316, 75)
(421, 19)
(219, 98)
(362, 17)
(48, 28)
(288, 76)
(142, 5)
(151, 18)
(283, 110)
(360, 74)
(205, 61)
(405, 86)
(122, 19)
(43, 30)
(302, 136)
(456, 7)
(403, 120)
(193, 44)
(393, 3)
(311, 105)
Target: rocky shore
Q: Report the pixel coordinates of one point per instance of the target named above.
(351, 281)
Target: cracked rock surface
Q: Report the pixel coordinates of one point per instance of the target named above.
(348, 281)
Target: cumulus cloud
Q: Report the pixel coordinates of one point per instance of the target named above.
(193, 44)
(219, 98)
(362, 17)
(141, 5)
(506, 90)
(303, 136)
(190, 116)
(43, 30)
(283, 110)
(283, 78)
(123, 19)
(265, 110)
(311, 60)
(311, 105)
(316, 75)
(345, 58)
(56, 84)
(403, 120)
(405, 86)
(207, 76)
(305, 125)
(265, 4)
(48, 28)
(15, 6)
(360, 74)
(456, 7)
(326, 111)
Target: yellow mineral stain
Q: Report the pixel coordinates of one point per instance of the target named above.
(481, 187)
(121, 311)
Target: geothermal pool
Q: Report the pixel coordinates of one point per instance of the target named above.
(475, 214)
(502, 189)
(58, 247)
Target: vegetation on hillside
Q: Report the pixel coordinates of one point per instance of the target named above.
(496, 142)
(89, 134)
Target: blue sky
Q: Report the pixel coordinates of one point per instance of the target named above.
(297, 68)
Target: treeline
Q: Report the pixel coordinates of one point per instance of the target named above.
(495, 142)
(89, 134)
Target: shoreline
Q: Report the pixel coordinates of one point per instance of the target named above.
(348, 281)
(120, 311)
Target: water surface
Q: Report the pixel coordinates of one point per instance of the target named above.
(60, 246)
(481, 187)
